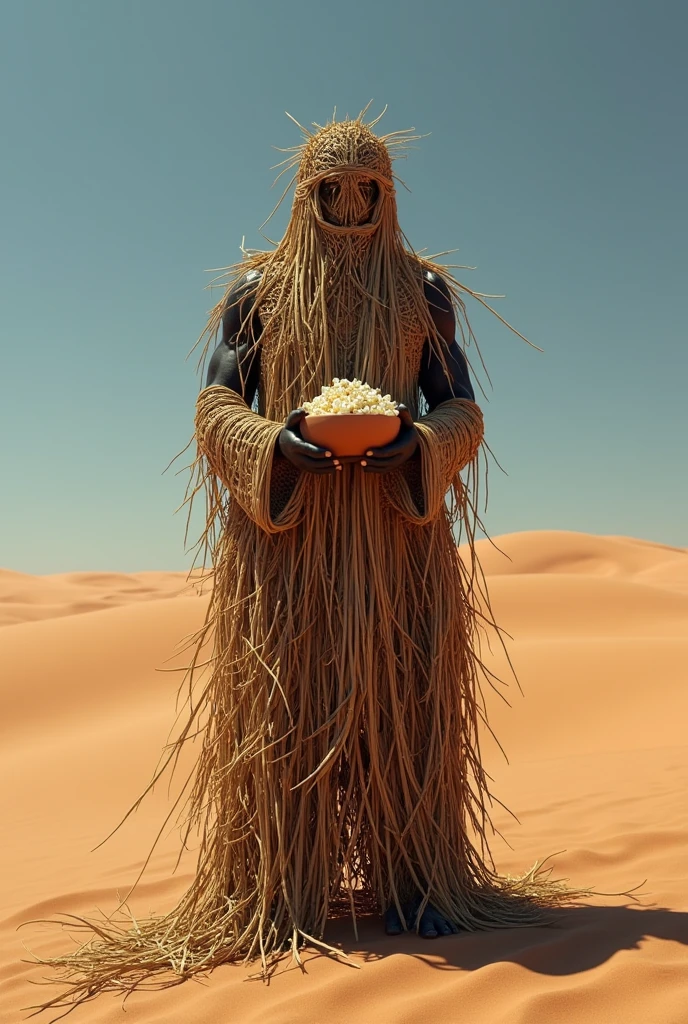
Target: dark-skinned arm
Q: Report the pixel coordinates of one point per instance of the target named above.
(236, 363)
(432, 379)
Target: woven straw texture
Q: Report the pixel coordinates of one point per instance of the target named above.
(339, 711)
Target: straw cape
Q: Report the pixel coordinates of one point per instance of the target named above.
(339, 698)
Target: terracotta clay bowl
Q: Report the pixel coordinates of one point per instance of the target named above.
(348, 434)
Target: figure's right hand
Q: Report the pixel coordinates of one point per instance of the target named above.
(300, 453)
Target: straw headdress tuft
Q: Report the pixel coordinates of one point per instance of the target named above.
(341, 145)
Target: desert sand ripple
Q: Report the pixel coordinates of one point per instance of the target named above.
(598, 770)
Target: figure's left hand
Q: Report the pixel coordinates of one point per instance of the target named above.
(399, 451)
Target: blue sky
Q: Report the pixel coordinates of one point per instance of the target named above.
(136, 154)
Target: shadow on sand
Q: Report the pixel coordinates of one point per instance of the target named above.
(578, 939)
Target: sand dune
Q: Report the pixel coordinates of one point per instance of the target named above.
(598, 769)
(25, 598)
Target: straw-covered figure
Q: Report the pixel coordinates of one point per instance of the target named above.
(339, 760)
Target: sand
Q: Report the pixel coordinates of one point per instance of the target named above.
(598, 769)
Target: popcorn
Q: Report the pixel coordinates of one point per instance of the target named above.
(353, 397)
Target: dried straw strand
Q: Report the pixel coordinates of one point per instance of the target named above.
(340, 762)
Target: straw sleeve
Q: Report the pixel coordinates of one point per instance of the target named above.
(449, 438)
(240, 448)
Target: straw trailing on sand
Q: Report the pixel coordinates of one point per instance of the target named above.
(339, 715)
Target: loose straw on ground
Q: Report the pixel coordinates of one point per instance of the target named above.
(340, 759)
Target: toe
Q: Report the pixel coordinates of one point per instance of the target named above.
(428, 926)
(393, 925)
(442, 925)
(433, 923)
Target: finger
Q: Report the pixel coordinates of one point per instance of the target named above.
(381, 465)
(295, 417)
(322, 465)
(405, 416)
(315, 465)
(308, 450)
(390, 451)
(402, 443)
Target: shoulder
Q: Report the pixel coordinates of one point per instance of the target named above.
(239, 304)
(437, 291)
(440, 304)
(243, 291)
(238, 311)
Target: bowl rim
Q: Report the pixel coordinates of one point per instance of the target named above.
(360, 416)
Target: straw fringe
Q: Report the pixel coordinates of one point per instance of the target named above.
(340, 761)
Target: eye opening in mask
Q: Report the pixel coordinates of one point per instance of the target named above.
(348, 200)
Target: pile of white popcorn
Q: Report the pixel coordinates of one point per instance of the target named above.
(351, 396)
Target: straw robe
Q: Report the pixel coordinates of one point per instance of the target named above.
(344, 723)
(334, 688)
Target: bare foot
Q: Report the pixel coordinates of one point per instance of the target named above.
(431, 924)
